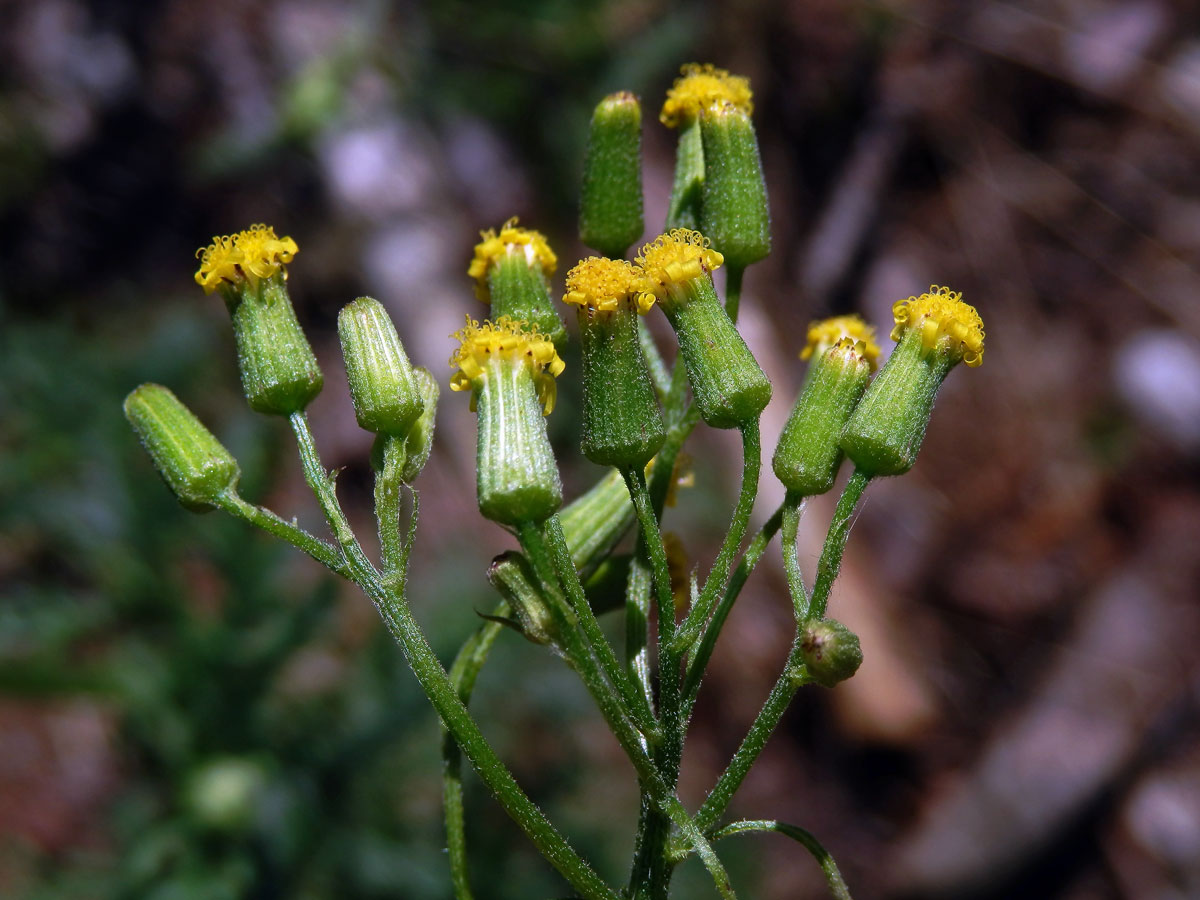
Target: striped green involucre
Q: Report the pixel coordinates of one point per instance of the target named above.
(733, 209)
(808, 455)
(730, 387)
(279, 370)
(516, 474)
(622, 425)
(520, 291)
(193, 463)
(382, 386)
(610, 204)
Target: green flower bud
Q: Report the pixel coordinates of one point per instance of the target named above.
(512, 271)
(510, 373)
(733, 209)
(513, 578)
(936, 331)
(831, 651)
(808, 455)
(610, 204)
(386, 400)
(731, 389)
(190, 459)
(280, 375)
(595, 521)
(419, 442)
(622, 425)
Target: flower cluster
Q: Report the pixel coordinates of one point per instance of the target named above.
(944, 322)
(494, 245)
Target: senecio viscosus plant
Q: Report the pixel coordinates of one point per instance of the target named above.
(637, 413)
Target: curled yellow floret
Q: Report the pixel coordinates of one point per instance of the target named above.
(603, 285)
(510, 239)
(505, 339)
(824, 334)
(944, 322)
(250, 255)
(698, 87)
(673, 259)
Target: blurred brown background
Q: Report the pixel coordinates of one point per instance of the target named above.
(188, 710)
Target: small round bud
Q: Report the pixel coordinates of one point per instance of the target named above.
(831, 651)
(192, 462)
(610, 203)
(386, 400)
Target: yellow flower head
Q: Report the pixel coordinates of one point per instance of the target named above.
(505, 339)
(700, 86)
(510, 239)
(254, 254)
(603, 284)
(944, 322)
(824, 334)
(674, 259)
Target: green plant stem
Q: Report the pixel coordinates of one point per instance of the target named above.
(668, 754)
(718, 576)
(619, 722)
(463, 672)
(733, 291)
(837, 885)
(835, 542)
(654, 361)
(393, 607)
(387, 505)
(683, 208)
(793, 508)
(793, 675)
(698, 661)
(261, 517)
(633, 699)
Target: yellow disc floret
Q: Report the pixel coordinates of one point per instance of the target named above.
(824, 334)
(674, 259)
(700, 86)
(508, 340)
(250, 255)
(510, 239)
(944, 322)
(603, 285)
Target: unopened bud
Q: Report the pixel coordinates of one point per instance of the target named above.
(733, 209)
(382, 386)
(831, 651)
(610, 204)
(192, 462)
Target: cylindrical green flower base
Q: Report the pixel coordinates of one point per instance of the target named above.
(193, 463)
(519, 290)
(808, 455)
(280, 375)
(887, 427)
(731, 389)
(516, 473)
(610, 202)
(382, 386)
(622, 425)
(733, 211)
